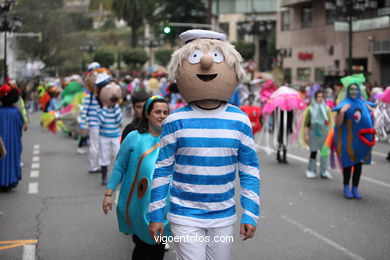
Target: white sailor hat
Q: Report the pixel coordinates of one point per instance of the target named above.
(190, 35)
(102, 79)
(93, 65)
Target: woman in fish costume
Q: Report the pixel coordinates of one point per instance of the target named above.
(354, 134)
(134, 167)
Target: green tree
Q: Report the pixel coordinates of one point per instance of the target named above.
(134, 12)
(163, 56)
(246, 49)
(135, 58)
(105, 58)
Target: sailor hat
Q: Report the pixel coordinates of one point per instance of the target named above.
(102, 79)
(93, 66)
(190, 35)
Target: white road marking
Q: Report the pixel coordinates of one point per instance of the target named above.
(34, 174)
(29, 252)
(36, 152)
(35, 166)
(301, 159)
(35, 159)
(116, 197)
(380, 154)
(323, 239)
(33, 188)
(36, 146)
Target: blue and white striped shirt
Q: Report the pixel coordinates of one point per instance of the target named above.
(89, 118)
(110, 120)
(200, 151)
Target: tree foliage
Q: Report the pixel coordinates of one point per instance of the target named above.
(163, 56)
(246, 49)
(135, 58)
(105, 58)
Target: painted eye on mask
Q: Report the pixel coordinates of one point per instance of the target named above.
(195, 56)
(217, 56)
(357, 116)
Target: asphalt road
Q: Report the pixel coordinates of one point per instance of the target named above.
(300, 218)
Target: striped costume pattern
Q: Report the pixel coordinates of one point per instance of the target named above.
(89, 118)
(200, 151)
(110, 120)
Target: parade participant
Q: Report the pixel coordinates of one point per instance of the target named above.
(316, 123)
(110, 119)
(138, 100)
(53, 92)
(11, 131)
(354, 135)
(253, 113)
(89, 123)
(202, 145)
(134, 169)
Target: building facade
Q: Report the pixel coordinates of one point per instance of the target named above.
(313, 40)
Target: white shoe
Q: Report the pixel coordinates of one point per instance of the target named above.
(310, 174)
(326, 175)
(80, 150)
(167, 247)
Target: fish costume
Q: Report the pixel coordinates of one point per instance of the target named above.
(356, 137)
(134, 167)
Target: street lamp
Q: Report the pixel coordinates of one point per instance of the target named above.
(8, 26)
(349, 11)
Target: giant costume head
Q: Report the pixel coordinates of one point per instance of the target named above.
(109, 92)
(206, 67)
(355, 138)
(94, 69)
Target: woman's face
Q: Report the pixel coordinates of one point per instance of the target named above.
(157, 115)
(353, 91)
(319, 98)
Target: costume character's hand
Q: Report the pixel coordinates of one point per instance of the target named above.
(156, 229)
(345, 108)
(107, 204)
(247, 231)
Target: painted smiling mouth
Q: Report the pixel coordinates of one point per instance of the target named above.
(206, 77)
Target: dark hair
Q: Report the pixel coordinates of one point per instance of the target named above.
(139, 96)
(318, 92)
(143, 123)
(11, 98)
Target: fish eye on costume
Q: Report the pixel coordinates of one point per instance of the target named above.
(217, 56)
(195, 56)
(357, 115)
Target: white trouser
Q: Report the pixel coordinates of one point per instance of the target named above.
(109, 148)
(195, 246)
(94, 149)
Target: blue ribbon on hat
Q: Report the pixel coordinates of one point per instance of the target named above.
(150, 100)
(104, 82)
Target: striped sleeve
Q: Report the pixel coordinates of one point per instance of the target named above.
(84, 111)
(248, 168)
(162, 174)
(118, 115)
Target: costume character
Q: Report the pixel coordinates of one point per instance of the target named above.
(110, 119)
(354, 135)
(317, 120)
(202, 145)
(11, 123)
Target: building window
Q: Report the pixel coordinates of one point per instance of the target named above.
(224, 27)
(330, 16)
(285, 25)
(306, 16)
(287, 75)
(319, 74)
(303, 74)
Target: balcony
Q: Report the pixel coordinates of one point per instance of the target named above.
(289, 3)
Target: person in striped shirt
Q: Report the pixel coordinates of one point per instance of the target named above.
(89, 123)
(202, 146)
(110, 119)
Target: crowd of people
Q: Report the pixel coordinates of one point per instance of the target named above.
(188, 137)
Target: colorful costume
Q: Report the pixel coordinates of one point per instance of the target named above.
(134, 168)
(355, 138)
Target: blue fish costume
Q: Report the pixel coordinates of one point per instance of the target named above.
(356, 137)
(134, 167)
